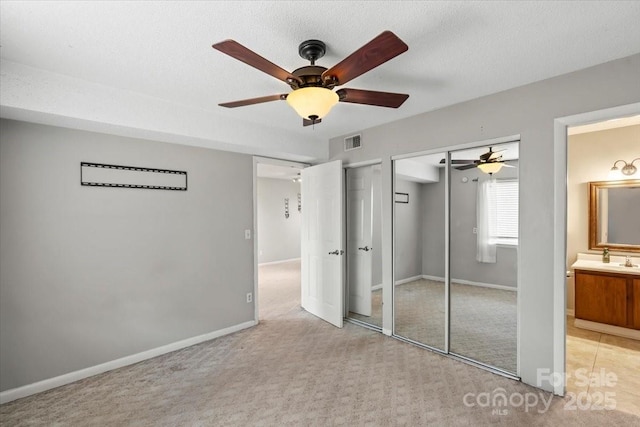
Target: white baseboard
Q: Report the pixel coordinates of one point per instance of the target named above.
(471, 283)
(386, 332)
(434, 278)
(278, 262)
(407, 280)
(607, 329)
(40, 386)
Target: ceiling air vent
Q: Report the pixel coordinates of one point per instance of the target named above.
(352, 142)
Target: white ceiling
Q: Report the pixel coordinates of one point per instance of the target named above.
(268, 170)
(161, 50)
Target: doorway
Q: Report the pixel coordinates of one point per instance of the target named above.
(594, 347)
(363, 296)
(277, 218)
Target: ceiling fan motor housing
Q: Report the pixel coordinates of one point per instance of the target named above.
(311, 75)
(312, 50)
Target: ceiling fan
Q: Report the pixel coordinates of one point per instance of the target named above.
(489, 162)
(313, 96)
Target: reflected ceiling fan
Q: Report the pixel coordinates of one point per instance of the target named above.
(313, 96)
(489, 162)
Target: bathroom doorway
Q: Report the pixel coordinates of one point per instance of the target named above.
(594, 345)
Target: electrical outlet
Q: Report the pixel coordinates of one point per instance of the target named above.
(475, 230)
(249, 297)
(247, 234)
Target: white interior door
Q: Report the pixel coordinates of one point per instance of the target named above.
(359, 238)
(322, 241)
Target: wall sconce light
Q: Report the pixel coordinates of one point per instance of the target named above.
(627, 170)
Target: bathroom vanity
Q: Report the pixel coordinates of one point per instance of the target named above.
(607, 296)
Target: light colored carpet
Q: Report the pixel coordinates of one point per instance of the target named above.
(292, 370)
(484, 325)
(483, 320)
(376, 310)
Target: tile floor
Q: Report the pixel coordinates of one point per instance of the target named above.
(602, 369)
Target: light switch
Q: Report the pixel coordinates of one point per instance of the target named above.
(247, 234)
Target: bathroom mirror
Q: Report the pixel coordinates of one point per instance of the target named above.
(614, 209)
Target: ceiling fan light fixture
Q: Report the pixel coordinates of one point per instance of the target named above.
(312, 103)
(490, 167)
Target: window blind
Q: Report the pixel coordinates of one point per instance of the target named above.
(507, 209)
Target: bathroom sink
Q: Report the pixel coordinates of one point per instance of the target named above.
(594, 262)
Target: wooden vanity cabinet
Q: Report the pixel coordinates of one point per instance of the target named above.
(609, 298)
(636, 303)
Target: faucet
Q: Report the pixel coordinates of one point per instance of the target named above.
(627, 262)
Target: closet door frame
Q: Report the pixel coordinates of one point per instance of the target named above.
(447, 151)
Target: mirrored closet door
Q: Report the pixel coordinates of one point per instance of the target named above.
(484, 254)
(364, 241)
(455, 253)
(419, 238)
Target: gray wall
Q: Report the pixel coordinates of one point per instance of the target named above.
(279, 237)
(408, 231)
(90, 275)
(529, 111)
(433, 227)
(463, 242)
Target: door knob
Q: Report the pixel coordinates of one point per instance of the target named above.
(336, 252)
(366, 249)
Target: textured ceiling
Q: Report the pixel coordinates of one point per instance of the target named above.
(457, 50)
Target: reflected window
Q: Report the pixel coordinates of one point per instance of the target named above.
(506, 231)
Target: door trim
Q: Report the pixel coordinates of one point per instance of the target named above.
(560, 227)
(447, 351)
(361, 164)
(474, 144)
(355, 165)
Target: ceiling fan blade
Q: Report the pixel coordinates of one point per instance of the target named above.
(458, 162)
(249, 57)
(252, 101)
(307, 122)
(496, 154)
(384, 47)
(467, 166)
(370, 97)
(490, 155)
